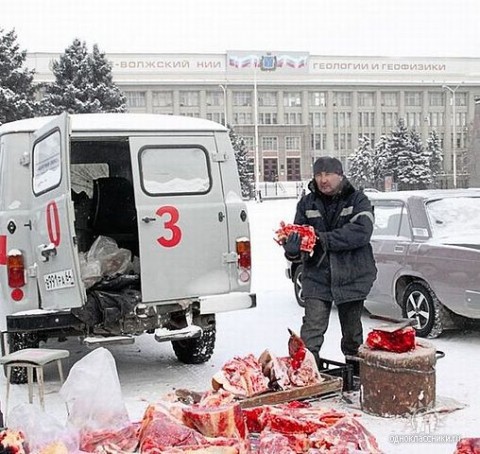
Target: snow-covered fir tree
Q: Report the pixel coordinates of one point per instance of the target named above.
(413, 164)
(83, 83)
(244, 163)
(433, 148)
(361, 165)
(17, 90)
(383, 162)
(398, 145)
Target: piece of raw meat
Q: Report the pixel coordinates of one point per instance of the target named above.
(273, 443)
(242, 377)
(276, 370)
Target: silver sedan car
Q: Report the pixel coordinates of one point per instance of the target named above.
(427, 248)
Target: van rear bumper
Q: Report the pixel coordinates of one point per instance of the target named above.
(227, 302)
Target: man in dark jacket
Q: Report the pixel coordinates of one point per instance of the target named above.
(341, 269)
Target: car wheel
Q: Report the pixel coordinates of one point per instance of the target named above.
(421, 304)
(298, 286)
(200, 349)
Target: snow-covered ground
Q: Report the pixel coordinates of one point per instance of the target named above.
(148, 370)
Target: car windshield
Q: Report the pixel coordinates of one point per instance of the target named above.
(454, 216)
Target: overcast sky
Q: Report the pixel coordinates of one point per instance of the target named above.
(322, 27)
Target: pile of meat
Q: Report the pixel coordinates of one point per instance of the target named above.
(392, 340)
(217, 425)
(306, 232)
(248, 376)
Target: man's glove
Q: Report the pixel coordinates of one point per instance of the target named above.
(292, 245)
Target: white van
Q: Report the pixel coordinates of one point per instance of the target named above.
(113, 225)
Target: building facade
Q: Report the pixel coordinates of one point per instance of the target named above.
(292, 107)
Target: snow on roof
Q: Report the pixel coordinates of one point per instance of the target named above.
(115, 122)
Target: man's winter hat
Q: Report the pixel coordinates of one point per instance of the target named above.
(328, 165)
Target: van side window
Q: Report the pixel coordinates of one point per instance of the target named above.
(175, 170)
(47, 171)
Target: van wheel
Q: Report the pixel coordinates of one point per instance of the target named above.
(20, 341)
(422, 305)
(298, 286)
(200, 349)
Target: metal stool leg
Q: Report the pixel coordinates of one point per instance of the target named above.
(30, 383)
(9, 373)
(41, 386)
(60, 370)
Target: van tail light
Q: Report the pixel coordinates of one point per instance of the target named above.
(244, 258)
(15, 269)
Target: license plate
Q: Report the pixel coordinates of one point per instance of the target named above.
(58, 280)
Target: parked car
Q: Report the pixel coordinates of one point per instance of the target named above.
(427, 248)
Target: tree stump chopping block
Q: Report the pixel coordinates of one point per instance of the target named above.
(396, 384)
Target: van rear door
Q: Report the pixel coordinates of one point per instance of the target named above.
(181, 217)
(52, 223)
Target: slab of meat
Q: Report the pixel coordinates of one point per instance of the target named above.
(276, 370)
(272, 443)
(306, 232)
(216, 421)
(242, 377)
(159, 431)
(125, 439)
(468, 446)
(346, 435)
(302, 367)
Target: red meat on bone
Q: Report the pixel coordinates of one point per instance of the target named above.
(216, 421)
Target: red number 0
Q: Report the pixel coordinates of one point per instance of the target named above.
(53, 223)
(171, 225)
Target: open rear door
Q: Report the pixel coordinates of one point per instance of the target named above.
(182, 218)
(52, 223)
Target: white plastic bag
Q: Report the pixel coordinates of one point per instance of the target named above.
(93, 394)
(42, 431)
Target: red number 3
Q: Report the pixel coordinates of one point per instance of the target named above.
(171, 225)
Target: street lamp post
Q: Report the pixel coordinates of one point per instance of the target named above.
(255, 115)
(224, 88)
(454, 131)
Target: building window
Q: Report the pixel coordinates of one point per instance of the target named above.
(414, 119)
(436, 119)
(318, 98)
(292, 118)
(218, 117)
(293, 143)
(436, 98)
(389, 119)
(342, 141)
(461, 99)
(366, 119)
(366, 98)
(249, 142)
(461, 119)
(136, 98)
(293, 169)
(370, 136)
(318, 141)
(269, 143)
(342, 98)
(215, 98)
(267, 118)
(318, 119)
(242, 98)
(267, 98)
(189, 99)
(292, 99)
(162, 99)
(413, 98)
(390, 99)
(342, 120)
(242, 118)
(190, 114)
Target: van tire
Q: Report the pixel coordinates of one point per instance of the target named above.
(20, 341)
(198, 350)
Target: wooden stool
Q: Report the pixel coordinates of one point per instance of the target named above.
(33, 358)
